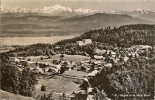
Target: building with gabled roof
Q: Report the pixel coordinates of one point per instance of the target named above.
(98, 57)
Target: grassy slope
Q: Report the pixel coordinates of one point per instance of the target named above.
(74, 58)
(8, 96)
(59, 84)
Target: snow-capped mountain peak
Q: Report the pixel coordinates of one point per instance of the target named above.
(85, 11)
(16, 10)
(141, 11)
(56, 9)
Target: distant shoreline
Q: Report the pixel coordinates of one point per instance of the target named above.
(38, 36)
(32, 40)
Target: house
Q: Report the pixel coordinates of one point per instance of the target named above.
(66, 63)
(87, 41)
(72, 96)
(58, 67)
(84, 42)
(80, 43)
(126, 59)
(21, 58)
(108, 65)
(38, 70)
(133, 54)
(51, 69)
(144, 47)
(14, 59)
(20, 66)
(113, 54)
(90, 97)
(57, 47)
(108, 52)
(80, 96)
(92, 74)
(98, 51)
(45, 57)
(56, 61)
(90, 90)
(98, 57)
(97, 62)
(140, 47)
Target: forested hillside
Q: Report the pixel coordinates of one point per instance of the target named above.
(108, 38)
(121, 36)
(132, 77)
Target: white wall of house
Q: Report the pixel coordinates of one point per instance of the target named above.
(87, 41)
(14, 59)
(84, 42)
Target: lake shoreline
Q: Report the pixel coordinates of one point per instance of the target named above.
(32, 40)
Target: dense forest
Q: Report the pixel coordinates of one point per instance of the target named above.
(122, 36)
(15, 81)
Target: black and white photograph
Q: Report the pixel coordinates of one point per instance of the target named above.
(77, 50)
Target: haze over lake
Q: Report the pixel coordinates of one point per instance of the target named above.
(31, 40)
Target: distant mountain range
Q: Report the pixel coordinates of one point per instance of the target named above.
(60, 10)
(58, 20)
(56, 10)
(139, 13)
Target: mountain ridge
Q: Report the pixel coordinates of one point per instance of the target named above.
(58, 9)
(59, 25)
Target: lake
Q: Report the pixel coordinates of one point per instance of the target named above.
(31, 40)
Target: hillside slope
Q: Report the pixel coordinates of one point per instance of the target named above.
(108, 38)
(8, 96)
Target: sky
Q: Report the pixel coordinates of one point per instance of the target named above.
(102, 5)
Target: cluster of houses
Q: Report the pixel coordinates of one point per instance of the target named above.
(55, 67)
(18, 61)
(42, 67)
(110, 57)
(106, 59)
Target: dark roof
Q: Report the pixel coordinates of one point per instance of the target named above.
(80, 96)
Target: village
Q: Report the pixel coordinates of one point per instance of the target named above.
(77, 67)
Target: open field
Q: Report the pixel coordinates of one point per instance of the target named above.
(10, 96)
(75, 58)
(75, 73)
(5, 48)
(59, 84)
